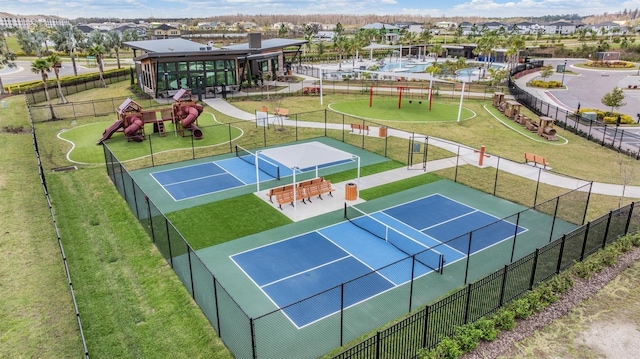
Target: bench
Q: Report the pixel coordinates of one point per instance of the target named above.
(318, 189)
(311, 90)
(281, 111)
(536, 160)
(287, 196)
(359, 127)
(276, 190)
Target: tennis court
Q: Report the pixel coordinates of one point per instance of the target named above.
(362, 251)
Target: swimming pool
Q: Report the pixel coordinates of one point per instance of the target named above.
(405, 66)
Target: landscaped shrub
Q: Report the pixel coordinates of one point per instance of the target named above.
(446, 349)
(488, 329)
(545, 84)
(610, 64)
(467, 337)
(504, 319)
(609, 117)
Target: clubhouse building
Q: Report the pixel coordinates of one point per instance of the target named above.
(167, 65)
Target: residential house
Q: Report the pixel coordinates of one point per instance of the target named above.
(164, 31)
(559, 28)
(390, 32)
(607, 27)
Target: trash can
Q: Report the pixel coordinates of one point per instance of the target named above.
(350, 192)
(383, 131)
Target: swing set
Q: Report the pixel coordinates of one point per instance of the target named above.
(401, 90)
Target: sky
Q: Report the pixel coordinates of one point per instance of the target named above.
(72, 9)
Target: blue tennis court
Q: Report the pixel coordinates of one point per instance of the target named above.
(370, 252)
(205, 178)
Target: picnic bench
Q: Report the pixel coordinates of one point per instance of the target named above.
(536, 160)
(359, 127)
(279, 111)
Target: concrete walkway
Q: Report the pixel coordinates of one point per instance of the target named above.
(468, 156)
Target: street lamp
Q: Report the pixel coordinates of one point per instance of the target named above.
(563, 71)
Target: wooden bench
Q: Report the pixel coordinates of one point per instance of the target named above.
(285, 197)
(359, 127)
(276, 190)
(284, 112)
(536, 160)
(318, 189)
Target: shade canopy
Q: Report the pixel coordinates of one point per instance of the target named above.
(307, 155)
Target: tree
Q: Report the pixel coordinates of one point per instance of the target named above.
(283, 30)
(308, 36)
(67, 38)
(113, 41)
(614, 98)
(97, 48)
(29, 43)
(339, 29)
(42, 66)
(546, 71)
(56, 62)
(6, 57)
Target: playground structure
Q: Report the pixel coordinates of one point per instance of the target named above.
(511, 108)
(401, 90)
(183, 113)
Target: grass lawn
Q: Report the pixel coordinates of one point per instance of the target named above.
(386, 109)
(131, 303)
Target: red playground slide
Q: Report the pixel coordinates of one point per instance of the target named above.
(189, 121)
(132, 130)
(110, 131)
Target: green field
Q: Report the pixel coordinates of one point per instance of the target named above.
(411, 110)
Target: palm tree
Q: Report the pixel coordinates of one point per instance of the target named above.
(98, 50)
(29, 43)
(425, 37)
(67, 38)
(42, 66)
(113, 42)
(55, 62)
(437, 51)
(6, 57)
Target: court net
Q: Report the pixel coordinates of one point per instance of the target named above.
(264, 165)
(406, 244)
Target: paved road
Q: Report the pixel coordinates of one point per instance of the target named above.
(22, 71)
(589, 86)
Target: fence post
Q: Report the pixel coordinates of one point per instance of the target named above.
(467, 304)
(504, 284)
(495, 180)
(253, 338)
(425, 329)
(559, 266)
(193, 288)
(584, 241)
(606, 230)
(378, 344)
(626, 227)
(166, 225)
(215, 299)
(534, 269)
(413, 265)
(342, 313)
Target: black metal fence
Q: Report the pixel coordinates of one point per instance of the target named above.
(613, 136)
(34, 97)
(43, 182)
(425, 328)
(84, 109)
(245, 335)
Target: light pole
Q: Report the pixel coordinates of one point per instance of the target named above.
(563, 71)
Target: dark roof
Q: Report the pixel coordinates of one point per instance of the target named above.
(268, 44)
(165, 27)
(85, 28)
(168, 45)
